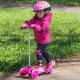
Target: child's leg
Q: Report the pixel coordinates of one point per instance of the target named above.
(44, 52)
(46, 55)
(39, 55)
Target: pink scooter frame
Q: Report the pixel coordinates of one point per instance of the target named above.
(33, 73)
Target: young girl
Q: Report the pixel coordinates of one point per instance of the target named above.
(40, 25)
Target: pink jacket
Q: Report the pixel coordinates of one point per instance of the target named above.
(41, 32)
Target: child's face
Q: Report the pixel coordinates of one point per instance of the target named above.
(40, 14)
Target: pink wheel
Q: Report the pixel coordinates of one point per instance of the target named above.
(22, 72)
(34, 74)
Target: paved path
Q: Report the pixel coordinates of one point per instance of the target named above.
(65, 69)
(63, 8)
(63, 72)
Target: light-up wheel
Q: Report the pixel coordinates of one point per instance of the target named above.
(34, 74)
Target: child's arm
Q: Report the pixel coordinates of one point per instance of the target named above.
(43, 27)
(27, 24)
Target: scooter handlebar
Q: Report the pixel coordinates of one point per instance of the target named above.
(25, 26)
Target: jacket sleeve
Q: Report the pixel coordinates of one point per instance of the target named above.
(37, 28)
(43, 27)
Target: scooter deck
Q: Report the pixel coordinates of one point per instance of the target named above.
(44, 72)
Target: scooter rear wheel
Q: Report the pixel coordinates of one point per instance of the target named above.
(34, 74)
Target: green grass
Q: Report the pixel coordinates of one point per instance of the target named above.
(64, 30)
(67, 2)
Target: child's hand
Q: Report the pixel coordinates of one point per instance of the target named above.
(32, 25)
(23, 25)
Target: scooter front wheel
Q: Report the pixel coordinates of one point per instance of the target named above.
(22, 72)
(34, 74)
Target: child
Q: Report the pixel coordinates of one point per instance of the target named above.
(40, 25)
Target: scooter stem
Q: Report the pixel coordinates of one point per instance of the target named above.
(29, 45)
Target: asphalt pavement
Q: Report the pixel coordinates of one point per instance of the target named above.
(62, 8)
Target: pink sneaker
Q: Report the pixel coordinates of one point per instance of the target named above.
(39, 68)
(51, 64)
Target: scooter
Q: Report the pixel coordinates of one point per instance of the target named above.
(32, 72)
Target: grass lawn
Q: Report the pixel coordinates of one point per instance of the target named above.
(64, 30)
(67, 2)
